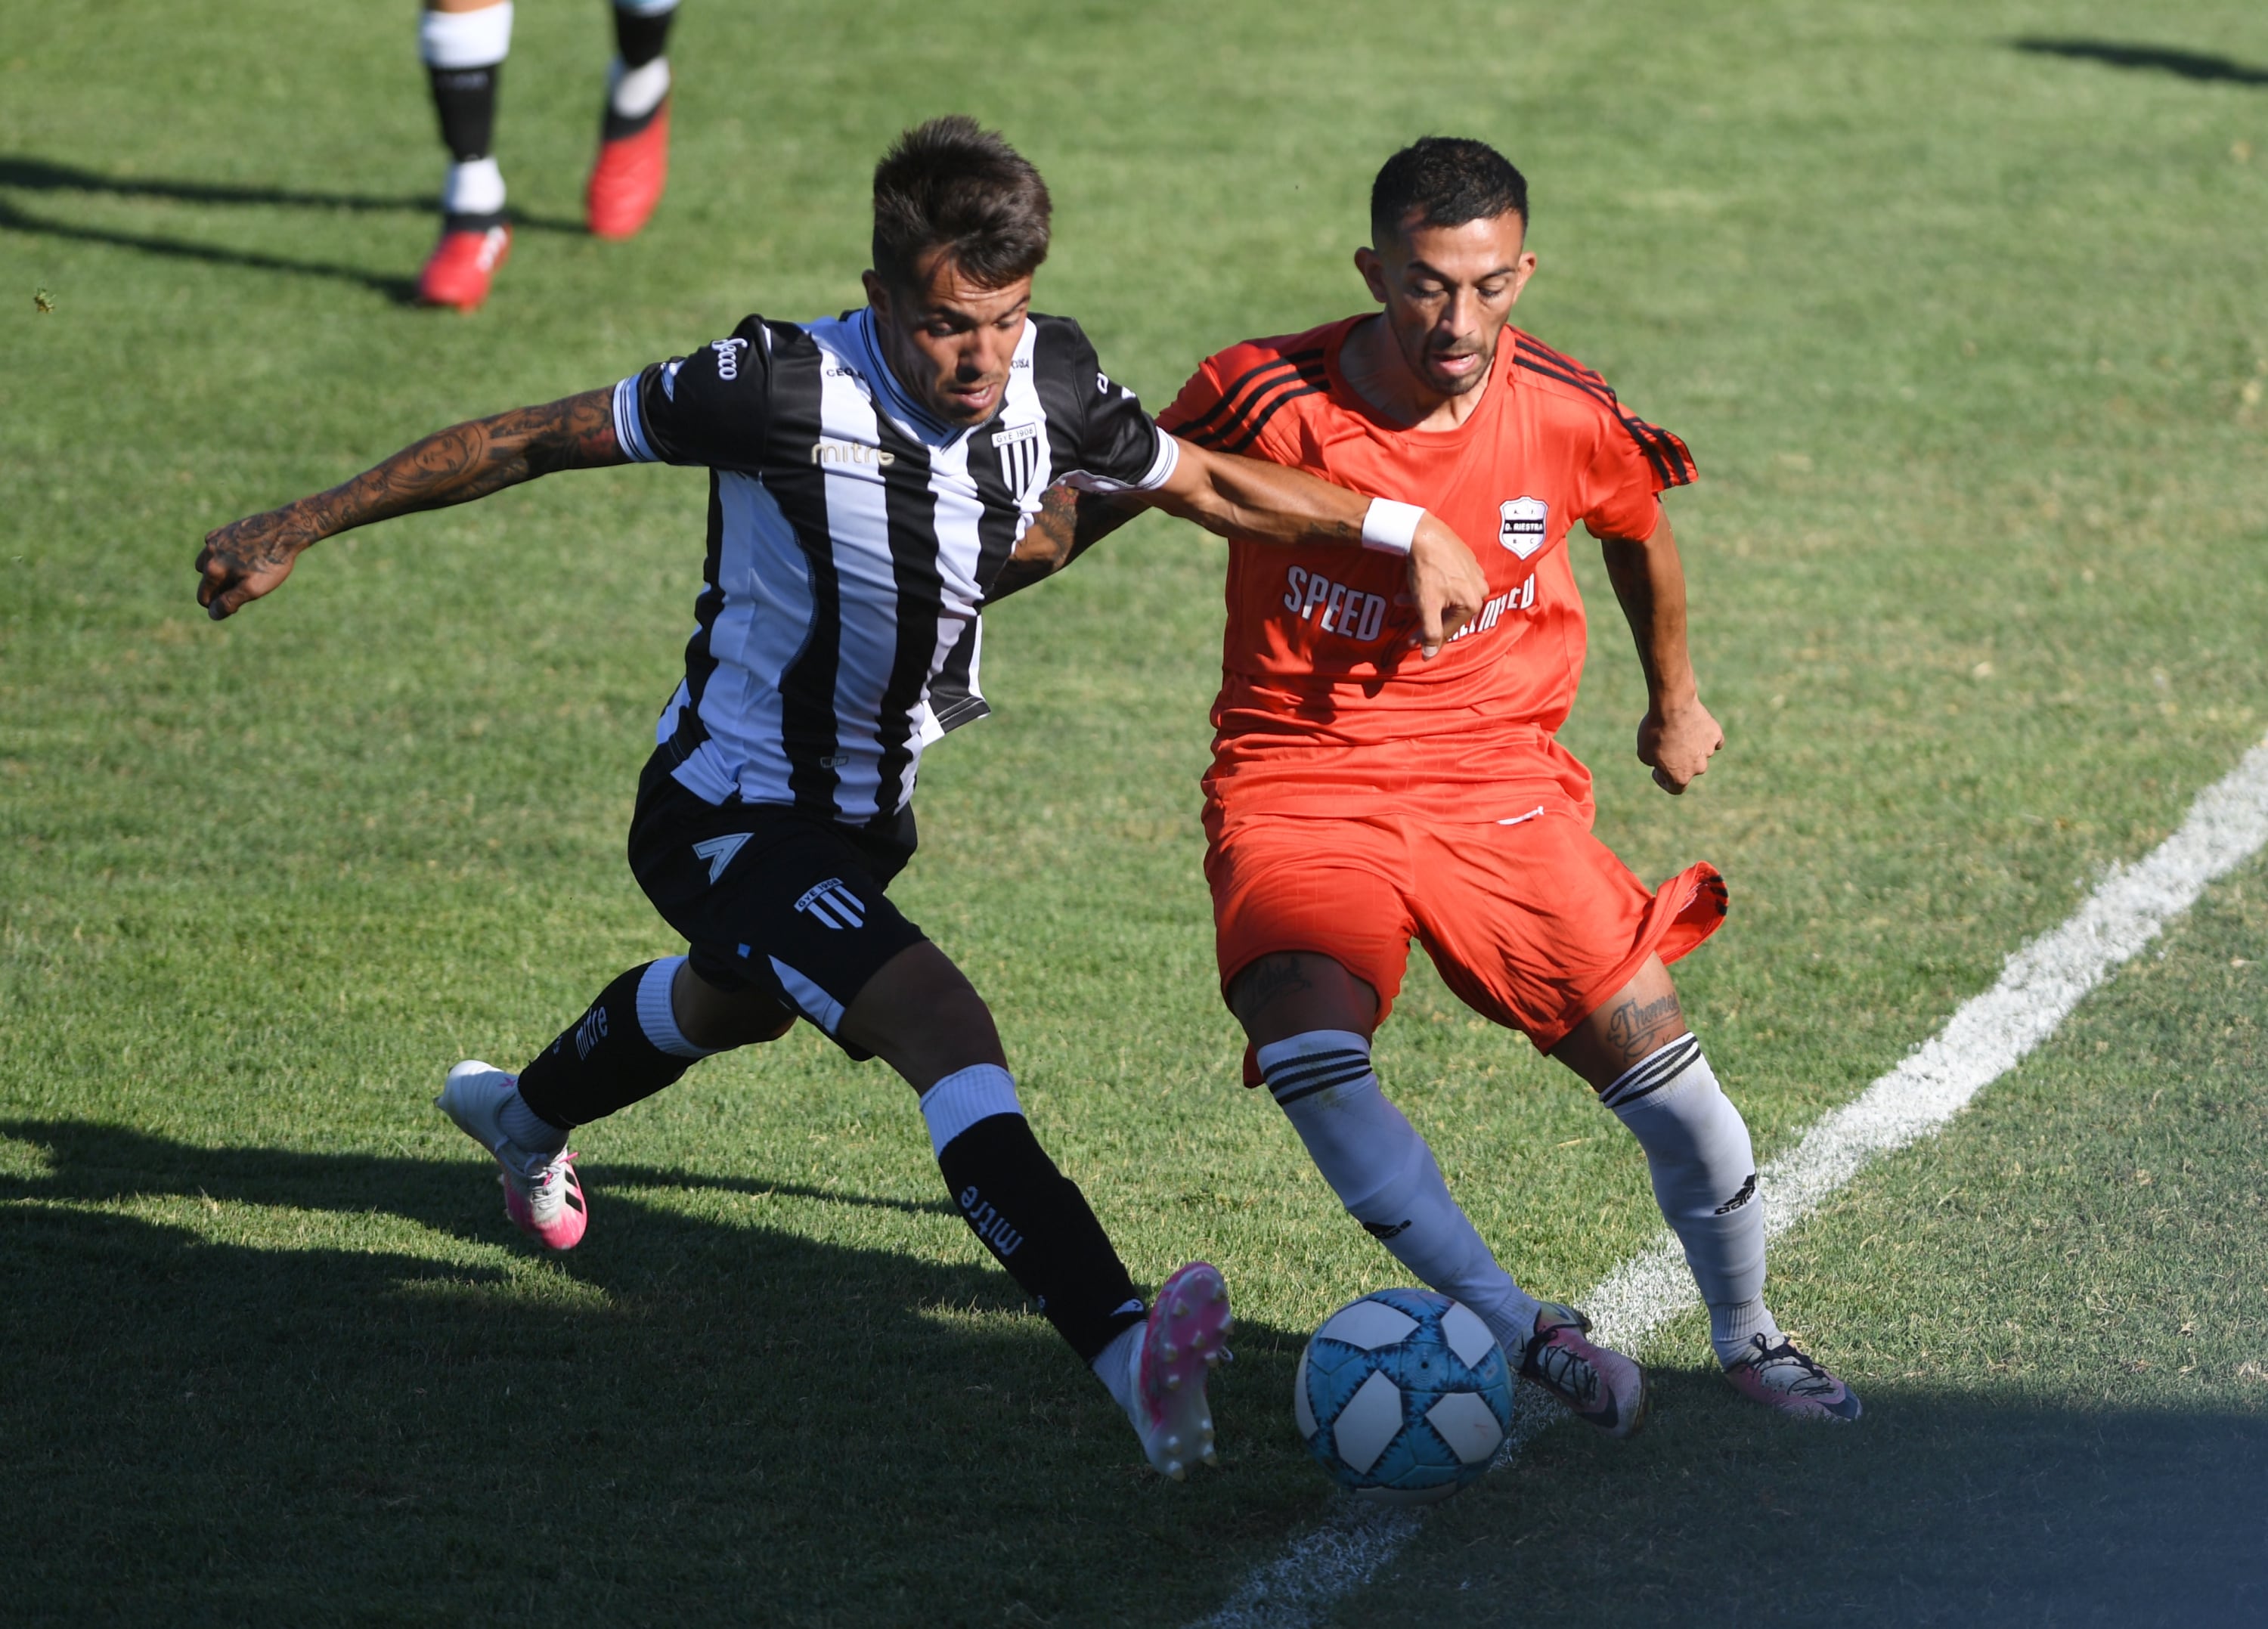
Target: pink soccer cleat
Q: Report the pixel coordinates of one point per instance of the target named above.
(1783, 1379)
(1598, 1385)
(458, 273)
(626, 182)
(541, 1194)
(1184, 1340)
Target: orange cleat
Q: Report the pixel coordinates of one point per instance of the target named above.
(627, 180)
(461, 267)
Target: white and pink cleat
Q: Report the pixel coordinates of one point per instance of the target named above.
(1184, 1341)
(542, 1193)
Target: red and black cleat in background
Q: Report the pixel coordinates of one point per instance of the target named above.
(458, 271)
(633, 167)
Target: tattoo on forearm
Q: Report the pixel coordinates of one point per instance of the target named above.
(470, 461)
(1638, 1029)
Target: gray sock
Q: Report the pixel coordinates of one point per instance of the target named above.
(1387, 1177)
(1705, 1179)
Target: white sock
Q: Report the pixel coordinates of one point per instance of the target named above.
(530, 1129)
(634, 92)
(475, 188)
(959, 1101)
(1705, 1179)
(657, 1009)
(478, 39)
(1387, 1177)
(1113, 1365)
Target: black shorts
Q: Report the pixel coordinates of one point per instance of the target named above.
(770, 898)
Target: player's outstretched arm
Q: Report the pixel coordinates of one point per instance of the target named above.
(1226, 494)
(251, 558)
(1678, 737)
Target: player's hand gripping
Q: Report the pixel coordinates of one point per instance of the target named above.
(1447, 584)
(251, 558)
(1677, 741)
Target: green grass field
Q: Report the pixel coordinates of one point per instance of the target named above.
(1970, 342)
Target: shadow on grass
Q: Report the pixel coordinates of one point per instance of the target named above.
(683, 1419)
(1984, 1504)
(24, 174)
(2206, 67)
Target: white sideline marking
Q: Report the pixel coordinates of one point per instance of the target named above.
(1986, 1037)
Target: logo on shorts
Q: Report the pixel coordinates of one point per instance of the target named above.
(833, 905)
(1524, 525)
(718, 853)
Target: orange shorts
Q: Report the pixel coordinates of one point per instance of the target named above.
(1533, 922)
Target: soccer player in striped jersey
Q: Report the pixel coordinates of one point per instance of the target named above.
(871, 477)
(1358, 800)
(464, 43)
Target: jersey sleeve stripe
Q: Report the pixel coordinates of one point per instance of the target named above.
(1248, 429)
(1672, 460)
(630, 425)
(1301, 363)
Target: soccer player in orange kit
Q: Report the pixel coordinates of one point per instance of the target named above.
(1359, 797)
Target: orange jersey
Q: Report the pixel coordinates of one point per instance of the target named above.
(1323, 707)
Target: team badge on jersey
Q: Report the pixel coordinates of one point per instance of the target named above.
(1524, 524)
(830, 904)
(1019, 449)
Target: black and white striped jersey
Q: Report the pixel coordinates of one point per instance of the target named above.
(853, 540)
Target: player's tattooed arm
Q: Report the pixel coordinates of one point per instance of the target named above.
(250, 557)
(1677, 736)
(1070, 523)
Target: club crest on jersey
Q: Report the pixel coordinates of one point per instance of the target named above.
(1523, 526)
(830, 904)
(1021, 449)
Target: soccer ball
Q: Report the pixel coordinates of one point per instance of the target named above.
(1404, 1397)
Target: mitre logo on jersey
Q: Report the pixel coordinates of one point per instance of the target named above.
(1019, 446)
(825, 451)
(1525, 521)
(830, 904)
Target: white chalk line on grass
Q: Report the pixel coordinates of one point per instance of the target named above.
(1984, 1038)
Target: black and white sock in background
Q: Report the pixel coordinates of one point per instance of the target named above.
(638, 79)
(464, 54)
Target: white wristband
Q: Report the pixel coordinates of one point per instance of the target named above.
(1391, 528)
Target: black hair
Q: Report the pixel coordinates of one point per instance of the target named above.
(951, 184)
(1444, 180)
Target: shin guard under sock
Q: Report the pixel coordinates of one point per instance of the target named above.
(627, 1046)
(1705, 1179)
(1387, 1177)
(1031, 1216)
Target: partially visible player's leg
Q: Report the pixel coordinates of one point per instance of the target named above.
(920, 1014)
(633, 161)
(1309, 1018)
(1636, 1051)
(464, 43)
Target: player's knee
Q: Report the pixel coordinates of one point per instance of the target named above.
(922, 1015)
(716, 1019)
(1292, 992)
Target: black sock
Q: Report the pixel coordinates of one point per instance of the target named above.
(1037, 1224)
(466, 99)
(640, 37)
(606, 1061)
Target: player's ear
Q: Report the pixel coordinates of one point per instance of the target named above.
(1367, 261)
(877, 293)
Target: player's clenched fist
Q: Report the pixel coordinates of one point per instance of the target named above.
(1678, 742)
(248, 559)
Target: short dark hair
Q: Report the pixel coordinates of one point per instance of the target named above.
(951, 184)
(1445, 180)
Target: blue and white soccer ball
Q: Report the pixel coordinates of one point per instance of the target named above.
(1404, 1397)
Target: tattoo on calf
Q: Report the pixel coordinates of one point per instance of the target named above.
(1637, 1029)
